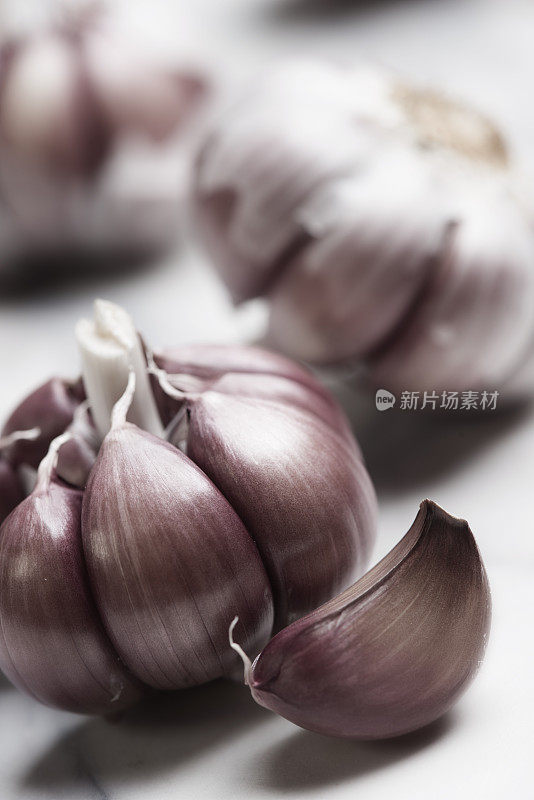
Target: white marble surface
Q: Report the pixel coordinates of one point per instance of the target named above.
(213, 742)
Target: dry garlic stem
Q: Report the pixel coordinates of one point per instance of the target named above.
(110, 348)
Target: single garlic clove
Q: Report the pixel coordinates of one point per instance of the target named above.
(11, 489)
(168, 558)
(395, 650)
(368, 257)
(247, 372)
(52, 643)
(196, 367)
(301, 490)
(473, 326)
(316, 401)
(50, 408)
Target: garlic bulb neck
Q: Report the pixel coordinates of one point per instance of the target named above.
(110, 349)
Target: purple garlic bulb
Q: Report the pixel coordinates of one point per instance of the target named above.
(382, 222)
(193, 485)
(89, 137)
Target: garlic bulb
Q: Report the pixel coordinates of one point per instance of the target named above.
(383, 224)
(393, 652)
(201, 498)
(89, 127)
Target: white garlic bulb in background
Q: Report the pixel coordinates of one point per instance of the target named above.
(383, 223)
(90, 136)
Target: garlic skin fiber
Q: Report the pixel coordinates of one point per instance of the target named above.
(382, 222)
(249, 498)
(394, 651)
(90, 131)
(246, 371)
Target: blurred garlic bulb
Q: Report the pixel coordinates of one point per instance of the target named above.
(90, 131)
(382, 222)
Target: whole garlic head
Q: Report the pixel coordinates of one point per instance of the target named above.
(90, 138)
(383, 223)
(215, 481)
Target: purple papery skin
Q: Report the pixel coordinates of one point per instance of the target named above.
(302, 492)
(393, 652)
(11, 489)
(75, 462)
(248, 372)
(170, 563)
(212, 361)
(51, 409)
(52, 643)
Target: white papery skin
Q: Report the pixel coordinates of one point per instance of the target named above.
(382, 221)
(91, 141)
